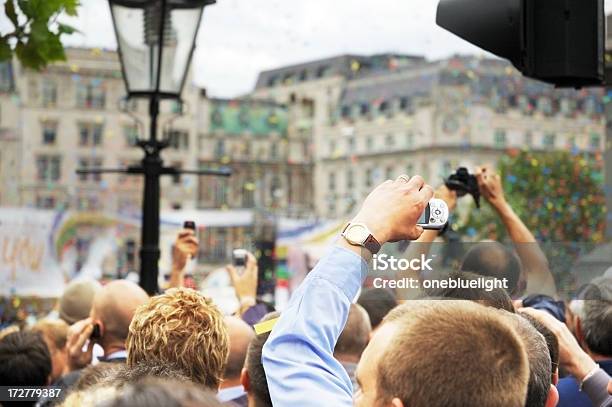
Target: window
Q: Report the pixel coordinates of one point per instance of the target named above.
(409, 170)
(248, 194)
(549, 140)
(90, 163)
(365, 109)
(48, 168)
(529, 139)
(332, 181)
(368, 178)
(274, 151)
(90, 95)
(571, 142)
(130, 134)
(405, 104)
(332, 147)
(45, 202)
(390, 141)
(49, 135)
(595, 141)
(350, 182)
(350, 144)
(410, 139)
(178, 139)
(322, 71)
(369, 143)
(384, 107)
(345, 111)
(90, 134)
(389, 173)
(49, 93)
(500, 138)
(176, 178)
(220, 148)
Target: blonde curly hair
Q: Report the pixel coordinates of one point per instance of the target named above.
(183, 328)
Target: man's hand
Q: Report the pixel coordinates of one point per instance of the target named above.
(490, 185)
(78, 335)
(448, 196)
(392, 210)
(185, 247)
(571, 356)
(245, 282)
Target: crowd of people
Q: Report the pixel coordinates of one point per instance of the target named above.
(335, 344)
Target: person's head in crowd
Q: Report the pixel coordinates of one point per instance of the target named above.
(91, 396)
(496, 297)
(240, 335)
(551, 342)
(9, 330)
(541, 392)
(93, 375)
(140, 371)
(493, 259)
(355, 335)
(155, 392)
(55, 333)
(595, 319)
(24, 360)
(77, 299)
(443, 353)
(181, 328)
(377, 302)
(253, 376)
(112, 310)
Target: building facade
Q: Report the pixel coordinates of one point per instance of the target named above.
(398, 114)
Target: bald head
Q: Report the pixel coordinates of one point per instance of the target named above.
(114, 306)
(355, 335)
(240, 335)
(492, 259)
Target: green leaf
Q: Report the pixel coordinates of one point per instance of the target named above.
(70, 7)
(5, 49)
(66, 29)
(9, 10)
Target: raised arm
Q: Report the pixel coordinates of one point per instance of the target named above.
(298, 355)
(185, 248)
(535, 265)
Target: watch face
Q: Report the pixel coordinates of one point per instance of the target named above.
(357, 234)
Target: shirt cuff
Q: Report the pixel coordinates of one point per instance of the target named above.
(596, 387)
(343, 268)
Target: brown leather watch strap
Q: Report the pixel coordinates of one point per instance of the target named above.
(372, 244)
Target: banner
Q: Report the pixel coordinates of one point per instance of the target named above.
(28, 265)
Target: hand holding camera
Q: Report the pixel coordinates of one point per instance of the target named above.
(243, 273)
(490, 186)
(185, 247)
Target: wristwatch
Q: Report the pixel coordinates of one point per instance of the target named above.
(358, 234)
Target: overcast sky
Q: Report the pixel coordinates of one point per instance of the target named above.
(240, 38)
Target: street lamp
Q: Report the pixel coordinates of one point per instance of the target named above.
(156, 39)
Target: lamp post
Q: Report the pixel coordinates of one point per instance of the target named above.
(156, 40)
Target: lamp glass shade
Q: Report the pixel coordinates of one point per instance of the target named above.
(146, 28)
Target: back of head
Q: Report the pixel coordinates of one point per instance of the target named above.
(54, 331)
(258, 384)
(377, 302)
(596, 318)
(240, 335)
(492, 259)
(495, 297)
(24, 359)
(453, 354)
(76, 301)
(355, 335)
(539, 361)
(551, 342)
(181, 328)
(115, 305)
(101, 373)
(154, 392)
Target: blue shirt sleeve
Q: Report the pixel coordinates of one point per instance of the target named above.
(298, 356)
